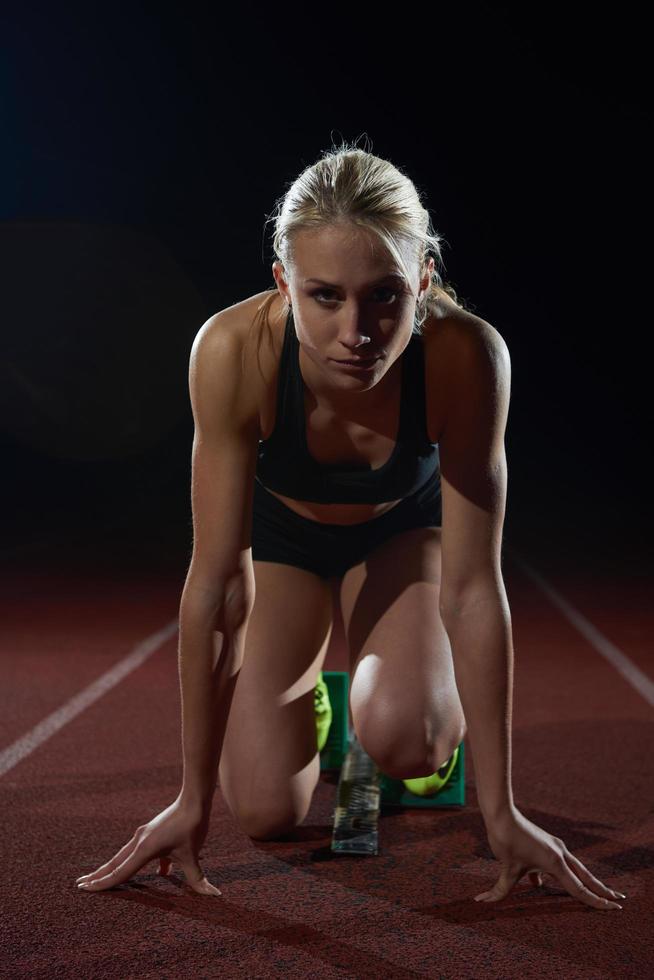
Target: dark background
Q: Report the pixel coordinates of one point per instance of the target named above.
(144, 148)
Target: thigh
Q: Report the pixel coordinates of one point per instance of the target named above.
(269, 764)
(404, 700)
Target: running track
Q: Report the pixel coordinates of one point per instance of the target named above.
(90, 748)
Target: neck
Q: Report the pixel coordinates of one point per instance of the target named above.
(350, 404)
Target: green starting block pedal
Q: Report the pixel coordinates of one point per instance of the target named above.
(336, 746)
(393, 792)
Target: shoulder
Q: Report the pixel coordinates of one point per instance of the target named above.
(476, 392)
(463, 349)
(235, 323)
(479, 354)
(463, 336)
(239, 345)
(222, 349)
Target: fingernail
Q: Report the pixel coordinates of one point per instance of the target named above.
(620, 895)
(83, 884)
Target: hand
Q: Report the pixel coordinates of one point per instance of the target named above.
(522, 847)
(175, 834)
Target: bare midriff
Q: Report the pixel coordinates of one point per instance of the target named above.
(336, 513)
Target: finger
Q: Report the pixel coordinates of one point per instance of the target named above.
(113, 862)
(566, 876)
(204, 887)
(589, 879)
(507, 881)
(196, 878)
(502, 887)
(193, 873)
(120, 873)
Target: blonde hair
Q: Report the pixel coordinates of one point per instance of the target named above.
(350, 185)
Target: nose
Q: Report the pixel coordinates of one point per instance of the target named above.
(362, 342)
(353, 323)
(355, 339)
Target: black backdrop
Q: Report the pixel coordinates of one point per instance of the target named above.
(144, 147)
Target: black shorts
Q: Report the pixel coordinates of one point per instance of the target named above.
(279, 534)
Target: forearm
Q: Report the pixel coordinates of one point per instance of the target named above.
(209, 654)
(482, 652)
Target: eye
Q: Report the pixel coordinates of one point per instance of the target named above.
(381, 289)
(321, 292)
(388, 290)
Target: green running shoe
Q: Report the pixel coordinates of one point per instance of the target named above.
(323, 710)
(431, 785)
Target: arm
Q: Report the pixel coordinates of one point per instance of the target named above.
(219, 592)
(476, 614)
(216, 602)
(482, 649)
(473, 601)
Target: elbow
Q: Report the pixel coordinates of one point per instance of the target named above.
(225, 607)
(237, 602)
(454, 605)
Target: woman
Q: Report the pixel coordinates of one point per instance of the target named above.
(334, 415)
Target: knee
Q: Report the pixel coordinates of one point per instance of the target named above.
(270, 824)
(397, 744)
(400, 745)
(445, 745)
(270, 829)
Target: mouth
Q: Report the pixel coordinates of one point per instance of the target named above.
(359, 361)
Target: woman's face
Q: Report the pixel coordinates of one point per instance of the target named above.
(349, 301)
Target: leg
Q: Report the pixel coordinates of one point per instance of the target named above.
(269, 765)
(338, 652)
(405, 705)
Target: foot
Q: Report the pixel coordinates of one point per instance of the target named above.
(323, 711)
(430, 785)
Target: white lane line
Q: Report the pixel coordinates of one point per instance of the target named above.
(45, 729)
(631, 673)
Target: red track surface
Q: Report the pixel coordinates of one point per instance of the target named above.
(583, 768)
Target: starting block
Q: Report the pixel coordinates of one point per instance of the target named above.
(362, 787)
(336, 746)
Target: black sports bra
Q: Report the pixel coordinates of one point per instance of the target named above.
(285, 465)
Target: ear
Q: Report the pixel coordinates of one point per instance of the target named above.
(425, 279)
(280, 279)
